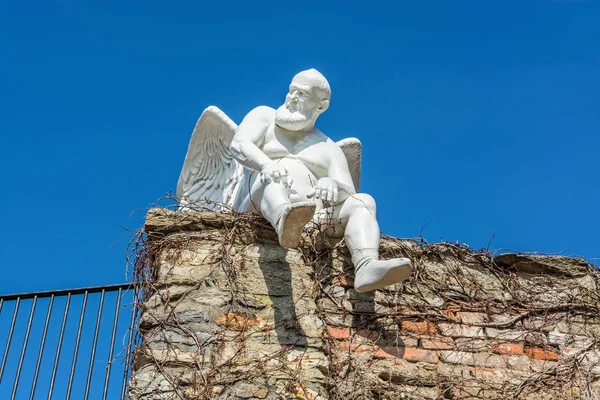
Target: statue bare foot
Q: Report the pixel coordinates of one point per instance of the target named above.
(291, 223)
(375, 274)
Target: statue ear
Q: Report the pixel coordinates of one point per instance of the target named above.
(324, 106)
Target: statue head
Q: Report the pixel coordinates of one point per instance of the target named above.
(307, 98)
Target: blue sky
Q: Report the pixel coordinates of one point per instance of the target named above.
(477, 118)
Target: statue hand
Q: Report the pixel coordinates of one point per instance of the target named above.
(274, 172)
(326, 189)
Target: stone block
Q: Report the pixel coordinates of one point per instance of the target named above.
(241, 322)
(403, 372)
(457, 357)
(406, 392)
(578, 328)
(541, 366)
(256, 253)
(456, 331)
(250, 391)
(472, 318)
(453, 371)
(515, 335)
(489, 374)
(150, 383)
(473, 359)
(390, 339)
(533, 264)
(504, 318)
(437, 343)
(472, 345)
(566, 339)
(540, 323)
(518, 362)
(471, 389)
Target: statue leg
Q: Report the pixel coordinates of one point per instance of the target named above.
(358, 213)
(272, 201)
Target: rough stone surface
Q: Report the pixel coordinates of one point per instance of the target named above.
(228, 314)
(555, 265)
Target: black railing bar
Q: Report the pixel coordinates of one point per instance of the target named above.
(77, 339)
(1, 303)
(9, 339)
(59, 346)
(128, 353)
(23, 349)
(112, 345)
(62, 292)
(94, 343)
(42, 344)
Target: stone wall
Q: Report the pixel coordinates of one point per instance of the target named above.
(228, 314)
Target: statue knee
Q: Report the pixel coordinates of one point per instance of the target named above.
(363, 200)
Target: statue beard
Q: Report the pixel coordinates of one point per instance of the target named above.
(292, 120)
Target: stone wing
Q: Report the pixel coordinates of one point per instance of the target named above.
(353, 150)
(210, 175)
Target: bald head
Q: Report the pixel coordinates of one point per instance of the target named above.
(316, 80)
(307, 98)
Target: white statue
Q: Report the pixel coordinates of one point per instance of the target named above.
(277, 163)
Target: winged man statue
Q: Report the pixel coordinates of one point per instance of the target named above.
(278, 164)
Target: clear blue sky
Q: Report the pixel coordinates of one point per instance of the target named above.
(476, 117)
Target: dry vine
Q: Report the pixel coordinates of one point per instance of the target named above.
(460, 281)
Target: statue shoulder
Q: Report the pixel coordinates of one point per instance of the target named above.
(334, 147)
(263, 115)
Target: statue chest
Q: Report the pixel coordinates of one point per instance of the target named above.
(309, 150)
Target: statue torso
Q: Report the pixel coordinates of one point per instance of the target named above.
(309, 150)
(305, 157)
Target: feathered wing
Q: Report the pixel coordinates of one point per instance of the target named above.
(352, 148)
(210, 175)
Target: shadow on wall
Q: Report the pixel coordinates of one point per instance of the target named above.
(278, 278)
(369, 328)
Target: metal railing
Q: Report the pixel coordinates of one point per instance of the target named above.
(57, 368)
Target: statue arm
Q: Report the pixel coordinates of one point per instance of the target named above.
(250, 135)
(339, 172)
(338, 169)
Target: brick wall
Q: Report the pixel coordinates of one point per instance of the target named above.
(227, 313)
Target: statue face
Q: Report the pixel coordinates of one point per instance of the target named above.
(302, 106)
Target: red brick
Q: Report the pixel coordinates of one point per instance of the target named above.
(423, 327)
(449, 313)
(339, 333)
(408, 311)
(508, 348)
(541, 354)
(408, 353)
(346, 281)
(437, 343)
(368, 334)
(355, 347)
